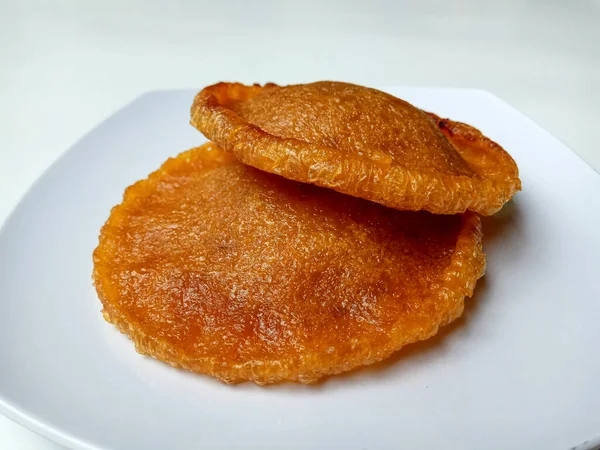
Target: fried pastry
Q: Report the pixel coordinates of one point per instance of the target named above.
(361, 142)
(216, 267)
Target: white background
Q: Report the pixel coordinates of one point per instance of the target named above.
(67, 65)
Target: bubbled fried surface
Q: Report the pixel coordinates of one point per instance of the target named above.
(358, 141)
(222, 269)
(350, 118)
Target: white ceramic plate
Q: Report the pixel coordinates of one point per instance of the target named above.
(520, 370)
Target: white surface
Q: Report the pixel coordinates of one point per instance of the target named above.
(66, 65)
(520, 371)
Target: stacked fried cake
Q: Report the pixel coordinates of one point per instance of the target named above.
(325, 226)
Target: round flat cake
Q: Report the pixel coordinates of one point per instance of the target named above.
(359, 141)
(223, 269)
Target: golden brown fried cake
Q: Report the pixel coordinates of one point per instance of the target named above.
(223, 269)
(361, 142)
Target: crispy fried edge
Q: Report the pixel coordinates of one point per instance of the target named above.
(371, 176)
(455, 284)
